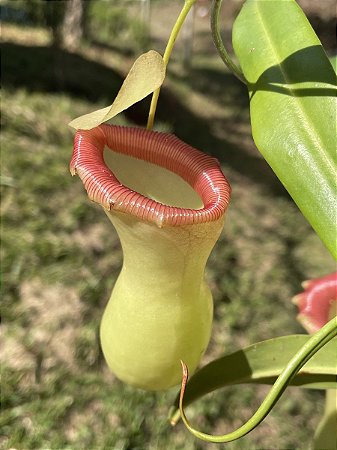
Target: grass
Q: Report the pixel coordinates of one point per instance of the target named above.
(61, 257)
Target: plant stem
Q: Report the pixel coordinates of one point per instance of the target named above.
(215, 13)
(174, 34)
(315, 343)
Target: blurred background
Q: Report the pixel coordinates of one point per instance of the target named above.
(61, 257)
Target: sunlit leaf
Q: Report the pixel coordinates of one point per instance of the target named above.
(146, 75)
(292, 88)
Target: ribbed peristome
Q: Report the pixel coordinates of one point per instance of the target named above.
(200, 171)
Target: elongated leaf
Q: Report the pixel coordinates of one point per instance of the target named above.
(262, 363)
(333, 61)
(326, 431)
(292, 88)
(146, 75)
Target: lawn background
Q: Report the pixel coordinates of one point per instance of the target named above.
(60, 256)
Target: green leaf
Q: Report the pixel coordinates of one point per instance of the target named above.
(146, 75)
(292, 88)
(333, 62)
(326, 431)
(262, 363)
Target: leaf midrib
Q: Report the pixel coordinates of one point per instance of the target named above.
(300, 107)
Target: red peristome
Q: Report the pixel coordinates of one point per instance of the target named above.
(316, 302)
(201, 171)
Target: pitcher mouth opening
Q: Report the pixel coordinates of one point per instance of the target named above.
(200, 171)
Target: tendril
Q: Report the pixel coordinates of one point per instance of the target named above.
(215, 13)
(307, 351)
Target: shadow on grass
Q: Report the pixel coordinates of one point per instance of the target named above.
(124, 51)
(45, 69)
